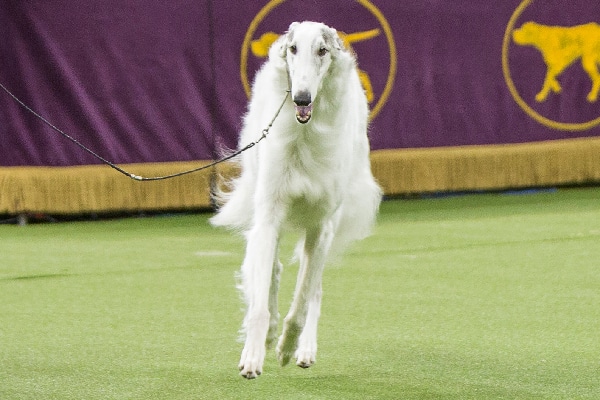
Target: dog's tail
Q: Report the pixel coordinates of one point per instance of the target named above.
(234, 203)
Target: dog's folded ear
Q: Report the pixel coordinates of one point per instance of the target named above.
(333, 40)
(292, 26)
(287, 37)
(337, 42)
(283, 43)
(278, 49)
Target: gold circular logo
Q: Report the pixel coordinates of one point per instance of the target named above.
(259, 47)
(552, 85)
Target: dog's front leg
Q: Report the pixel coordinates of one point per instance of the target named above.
(256, 274)
(550, 84)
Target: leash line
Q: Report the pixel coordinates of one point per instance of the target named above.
(264, 134)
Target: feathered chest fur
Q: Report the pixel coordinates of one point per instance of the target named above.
(306, 168)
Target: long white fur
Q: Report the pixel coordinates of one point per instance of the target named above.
(314, 177)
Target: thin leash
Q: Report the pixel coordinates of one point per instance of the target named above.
(264, 134)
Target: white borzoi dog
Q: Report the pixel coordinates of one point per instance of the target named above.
(311, 174)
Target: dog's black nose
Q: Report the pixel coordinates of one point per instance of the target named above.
(302, 99)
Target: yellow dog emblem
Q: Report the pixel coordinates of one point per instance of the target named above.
(561, 47)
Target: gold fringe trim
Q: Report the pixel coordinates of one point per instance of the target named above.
(493, 167)
(97, 189)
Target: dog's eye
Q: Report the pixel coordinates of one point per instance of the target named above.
(293, 49)
(322, 51)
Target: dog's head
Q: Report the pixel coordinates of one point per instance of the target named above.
(308, 49)
(528, 33)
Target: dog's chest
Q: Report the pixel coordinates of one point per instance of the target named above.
(310, 178)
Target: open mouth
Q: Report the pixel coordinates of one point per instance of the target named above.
(303, 113)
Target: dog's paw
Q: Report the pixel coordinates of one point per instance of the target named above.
(307, 350)
(251, 362)
(305, 358)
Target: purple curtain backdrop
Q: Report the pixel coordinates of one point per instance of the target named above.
(153, 81)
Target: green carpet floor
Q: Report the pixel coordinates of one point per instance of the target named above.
(473, 297)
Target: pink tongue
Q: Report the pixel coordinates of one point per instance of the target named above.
(303, 112)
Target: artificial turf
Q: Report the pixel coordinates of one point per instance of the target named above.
(473, 297)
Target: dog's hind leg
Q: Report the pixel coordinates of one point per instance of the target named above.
(590, 65)
(299, 334)
(273, 303)
(257, 270)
